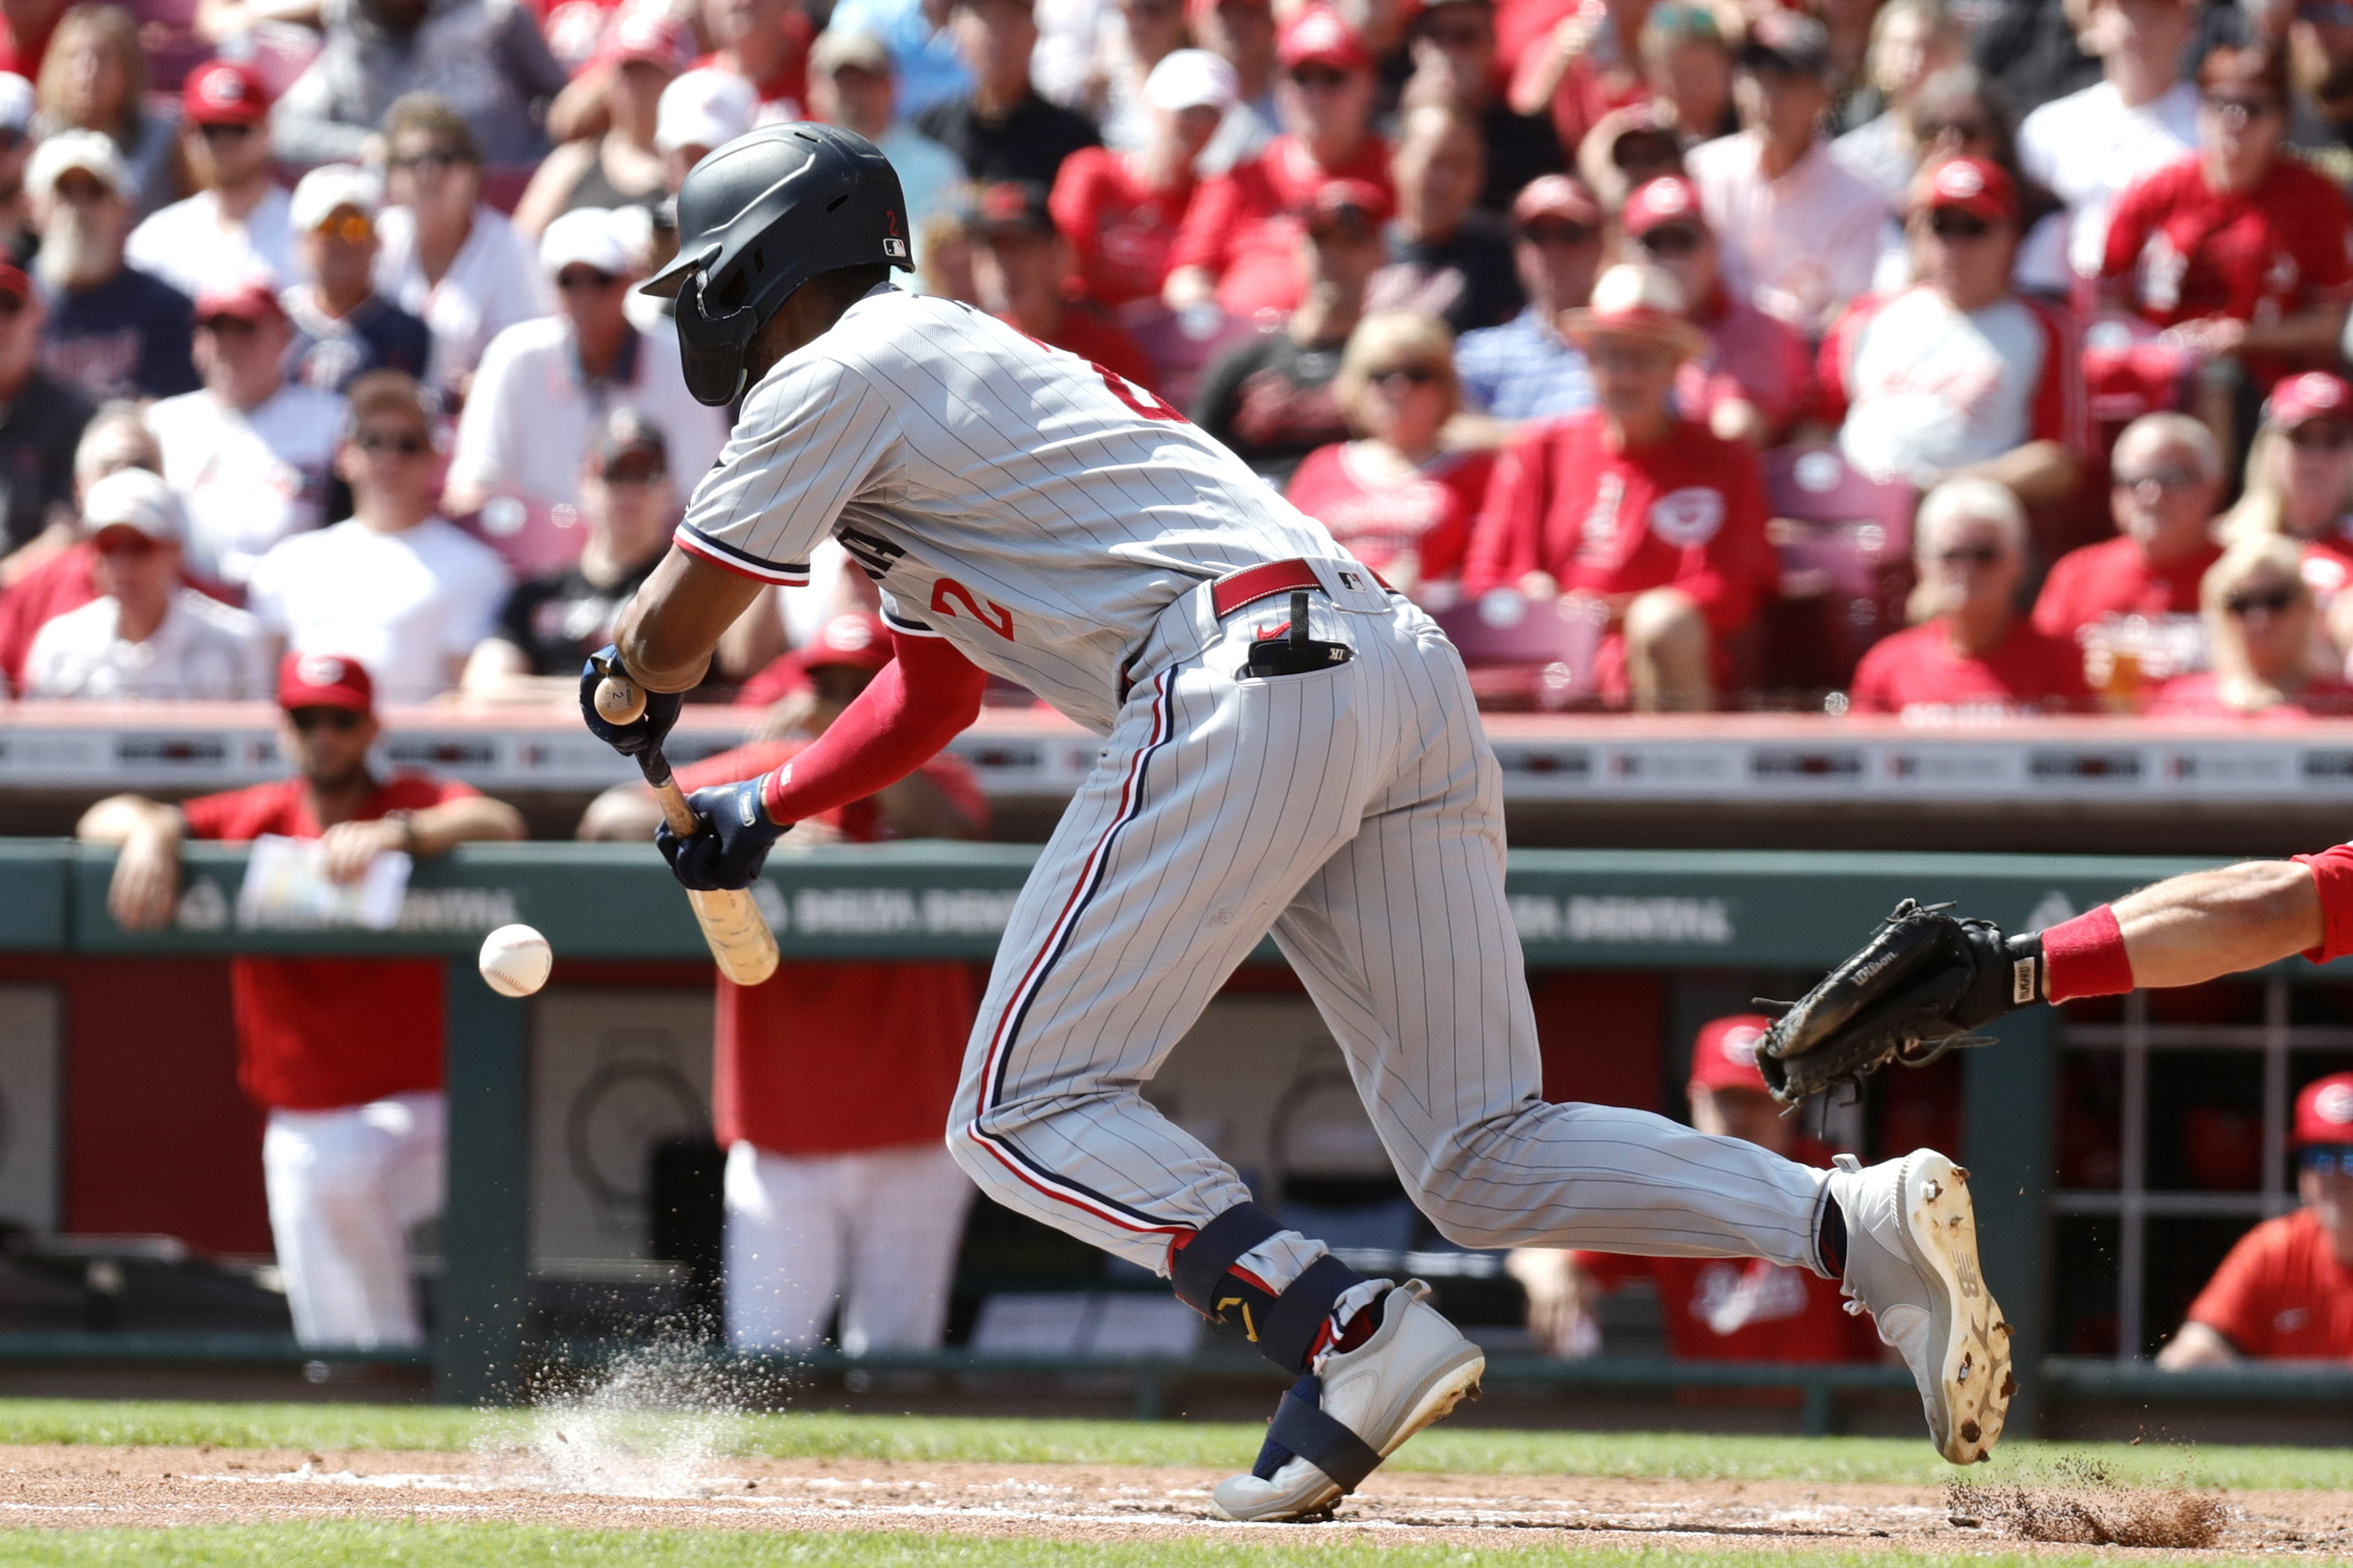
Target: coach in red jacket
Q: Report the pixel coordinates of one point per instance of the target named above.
(1650, 515)
(344, 1053)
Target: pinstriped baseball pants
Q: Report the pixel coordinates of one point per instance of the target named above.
(1357, 812)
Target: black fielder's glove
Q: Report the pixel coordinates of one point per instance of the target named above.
(1922, 985)
(734, 844)
(644, 734)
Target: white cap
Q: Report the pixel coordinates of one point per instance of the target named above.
(15, 102)
(92, 152)
(703, 109)
(588, 237)
(333, 186)
(1191, 78)
(134, 498)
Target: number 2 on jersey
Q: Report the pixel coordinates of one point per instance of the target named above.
(997, 617)
(1145, 402)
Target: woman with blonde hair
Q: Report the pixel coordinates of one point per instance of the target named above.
(1401, 504)
(94, 77)
(2259, 614)
(2299, 486)
(1971, 652)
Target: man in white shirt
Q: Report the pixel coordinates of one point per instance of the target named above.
(394, 587)
(2088, 146)
(240, 223)
(543, 386)
(148, 636)
(1801, 236)
(247, 454)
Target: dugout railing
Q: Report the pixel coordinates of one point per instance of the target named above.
(1574, 908)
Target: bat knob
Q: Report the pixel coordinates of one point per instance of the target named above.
(618, 701)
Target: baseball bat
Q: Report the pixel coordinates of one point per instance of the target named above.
(741, 942)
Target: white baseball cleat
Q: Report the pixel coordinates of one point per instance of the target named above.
(1911, 1260)
(1413, 1371)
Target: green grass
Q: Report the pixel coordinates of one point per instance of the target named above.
(1211, 1445)
(376, 1545)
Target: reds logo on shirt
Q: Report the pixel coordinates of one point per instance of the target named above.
(1687, 518)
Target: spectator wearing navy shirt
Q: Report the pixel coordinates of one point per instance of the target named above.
(113, 332)
(342, 327)
(1002, 129)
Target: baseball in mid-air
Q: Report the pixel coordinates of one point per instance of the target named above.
(515, 961)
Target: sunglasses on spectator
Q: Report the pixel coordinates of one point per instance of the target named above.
(2245, 603)
(573, 277)
(228, 326)
(1971, 556)
(2227, 106)
(1568, 236)
(1308, 79)
(1965, 130)
(2163, 478)
(309, 719)
(1670, 241)
(1951, 223)
(436, 158)
(1402, 375)
(126, 543)
(1470, 37)
(406, 443)
(2328, 1159)
(2320, 436)
(224, 132)
(635, 475)
(350, 227)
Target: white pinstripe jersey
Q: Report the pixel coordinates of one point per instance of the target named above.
(1034, 510)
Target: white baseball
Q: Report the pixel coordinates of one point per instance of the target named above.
(515, 961)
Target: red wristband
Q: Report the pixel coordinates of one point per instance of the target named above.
(2085, 957)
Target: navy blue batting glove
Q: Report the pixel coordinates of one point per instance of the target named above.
(734, 844)
(642, 734)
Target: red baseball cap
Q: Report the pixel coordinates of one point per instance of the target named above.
(1555, 196)
(857, 638)
(224, 92)
(1670, 198)
(1975, 186)
(249, 299)
(644, 34)
(1335, 199)
(2324, 1111)
(1318, 37)
(324, 680)
(12, 281)
(2315, 395)
(1724, 1054)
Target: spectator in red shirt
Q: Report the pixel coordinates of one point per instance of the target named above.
(1959, 371)
(1021, 268)
(1634, 507)
(1588, 64)
(1122, 211)
(116, 438)
(1270, 400)
(1972, 656)
(345, 1054)
(1749, 383)
(1393, 497)
(2131, 601)
(833, 1080)
(2237, 247)
(2286, 1291)
(1714, 1308)
(1238, 245)
(2260, 641)
(2300, 487)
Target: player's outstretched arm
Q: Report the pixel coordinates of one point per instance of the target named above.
(145, 887)
(2206, 924)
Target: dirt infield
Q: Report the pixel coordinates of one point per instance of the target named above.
(91, 1486)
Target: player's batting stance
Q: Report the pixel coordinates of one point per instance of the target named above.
(1288, 745)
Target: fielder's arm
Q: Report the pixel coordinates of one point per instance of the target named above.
(2206, 924)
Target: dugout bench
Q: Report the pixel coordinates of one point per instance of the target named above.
(1574, 910)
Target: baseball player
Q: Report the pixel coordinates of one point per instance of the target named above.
(344, 1053)
(1287, 746)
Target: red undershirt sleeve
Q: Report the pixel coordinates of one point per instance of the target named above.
(2332, 869)
(915, 705)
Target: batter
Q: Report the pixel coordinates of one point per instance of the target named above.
(1288, 747)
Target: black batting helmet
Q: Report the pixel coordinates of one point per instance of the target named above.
(758, 218)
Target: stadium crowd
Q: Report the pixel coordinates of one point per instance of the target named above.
(1954, 359)
(1951, 359)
